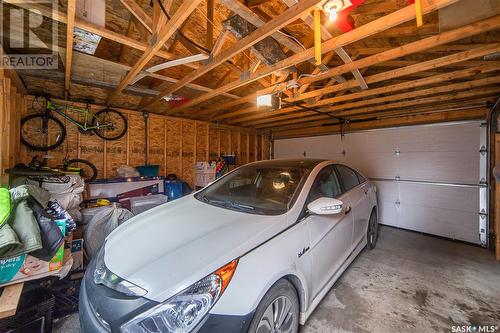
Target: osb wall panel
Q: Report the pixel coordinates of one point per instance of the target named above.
(188, 151)
(11, 106)
(172, 143)
(251, 147)
(265, 147)
(156, 137)
(213, 142)
(202, 132)
(259, 148)
(137, 140)
(243, 148)
(225, 141)
(116, 155)
(235, 143)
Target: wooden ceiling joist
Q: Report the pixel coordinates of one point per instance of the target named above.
(378, 91)
(407, 120)
(92, 28)
(411, 48)
(136, 10)
(326, 35)
(403, 15)
(379, 100)
(165, 32)
(384, 76)
(247, 14)
(482, 102)
(69, 45)
(259, 34)
(412, 69)
(291, 119)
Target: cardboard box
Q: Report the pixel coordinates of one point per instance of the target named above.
(26, 267)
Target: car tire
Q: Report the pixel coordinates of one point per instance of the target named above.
(372, 231)
(280, 302)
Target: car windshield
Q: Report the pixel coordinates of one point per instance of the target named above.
(257, 189)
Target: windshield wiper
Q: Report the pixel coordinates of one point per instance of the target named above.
(240, 205)
(228, 204)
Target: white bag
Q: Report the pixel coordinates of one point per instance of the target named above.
(105, 220)
(127, 171)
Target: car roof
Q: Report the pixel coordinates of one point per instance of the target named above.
(308, 163)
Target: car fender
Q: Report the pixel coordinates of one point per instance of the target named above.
(259, 269)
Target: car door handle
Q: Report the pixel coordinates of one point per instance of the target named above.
(366, 192)
(347, 210)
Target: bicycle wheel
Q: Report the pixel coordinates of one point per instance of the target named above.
(111, 124)
(42, 132)
(84, 168)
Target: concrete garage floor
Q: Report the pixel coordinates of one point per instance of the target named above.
(408, 283)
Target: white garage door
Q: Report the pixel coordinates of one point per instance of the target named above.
(430, 178)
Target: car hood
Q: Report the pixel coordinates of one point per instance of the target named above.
(168, 248)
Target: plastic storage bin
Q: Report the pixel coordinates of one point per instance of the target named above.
(144, 203)
(148, 170)
(173, 189)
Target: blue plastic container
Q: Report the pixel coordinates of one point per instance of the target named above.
(148, 170)
(173, 189)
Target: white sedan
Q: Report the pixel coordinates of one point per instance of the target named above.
(255, 251)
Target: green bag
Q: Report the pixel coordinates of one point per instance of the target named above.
(5, 207)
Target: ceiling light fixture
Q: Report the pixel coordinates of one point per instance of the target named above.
(272, 101)
(333, 7)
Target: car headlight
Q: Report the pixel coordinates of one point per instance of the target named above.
(102, 275)
(182, 312)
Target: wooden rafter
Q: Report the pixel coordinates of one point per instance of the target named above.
(326, 35)
(92, 28)
(253, 114)
(412, 69)
(160, 38)
(412, 118)
(289, 119)
(403, 15)
(136, 10)
(481, 102)
(69, 44)
(210, 27)
(400, 72)
(256, 36)
(384, 99)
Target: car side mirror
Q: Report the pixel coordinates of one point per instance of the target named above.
(325, 206)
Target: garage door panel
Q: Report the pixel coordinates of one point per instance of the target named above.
(370, 142)
(376, 165)
(464, 199)
(454, 137)
(440, 221)
(455, 167)
(387, 191)
(388, 213)
(439, 153)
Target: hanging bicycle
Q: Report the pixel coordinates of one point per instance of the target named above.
(43, 131)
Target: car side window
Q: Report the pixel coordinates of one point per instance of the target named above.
(348, 177)
(361, 178)
(326, 184)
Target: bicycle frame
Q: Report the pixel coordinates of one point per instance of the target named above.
(59, 109)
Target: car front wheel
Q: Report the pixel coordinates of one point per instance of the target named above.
(372, 233)
(278, 311)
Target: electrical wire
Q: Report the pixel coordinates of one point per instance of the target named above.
(291, 37)
(163, 9)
